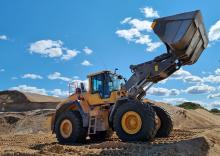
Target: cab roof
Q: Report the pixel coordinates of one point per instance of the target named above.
(99, 72)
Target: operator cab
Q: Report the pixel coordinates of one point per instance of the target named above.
(105, 82)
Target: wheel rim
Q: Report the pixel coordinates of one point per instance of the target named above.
(66, 128)
(158, 122)
(131, 122)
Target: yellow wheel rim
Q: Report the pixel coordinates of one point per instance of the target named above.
(66, 128)
(131, 122)
(158, 122)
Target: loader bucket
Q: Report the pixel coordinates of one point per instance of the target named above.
(183, 34)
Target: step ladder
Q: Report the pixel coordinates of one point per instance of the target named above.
(92, 125)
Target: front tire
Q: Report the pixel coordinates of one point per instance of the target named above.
(166, 124)
(134, 122)
(69, 128)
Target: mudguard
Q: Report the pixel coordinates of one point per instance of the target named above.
(65, 107)
(114, 107)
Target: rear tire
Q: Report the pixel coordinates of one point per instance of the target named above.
(145, 122)
(76, 134)
(166, 122)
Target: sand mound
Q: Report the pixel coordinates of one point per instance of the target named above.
(190, 119)
(15, 101)
(26, 122)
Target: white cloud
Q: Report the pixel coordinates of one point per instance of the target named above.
(193, 79)
(88, 50)
(162, 91)
(25, 88)
(57, 76)
(69, 54)
(212, 96)
(128, 34)
(212, 79)
(144, 39)
(174, 100)
(149, 12)
(187, 77)
(32, 76)
(59, 93)
(126, 20)
(53, 49)
(54, 52)
(214, 32)
(134, 35)
(177, 101)
(42, 91)
(217, 71)
(47, 48)
(2, 70)
(180, 74)
(138, 29)
(199, 89)
(153, 45)
(86, 63)
(3, 37)
(158, 91)
(141, 24)
(215, 104)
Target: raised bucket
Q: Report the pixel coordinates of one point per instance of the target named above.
(184, 35)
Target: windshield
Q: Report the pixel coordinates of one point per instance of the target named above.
(115, 83)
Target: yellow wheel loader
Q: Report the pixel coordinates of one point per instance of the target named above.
(112, 103)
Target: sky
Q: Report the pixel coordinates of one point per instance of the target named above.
(46, 44)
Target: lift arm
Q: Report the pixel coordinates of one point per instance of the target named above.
(148, 73)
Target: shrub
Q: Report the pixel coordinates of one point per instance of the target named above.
(190, 105)
(215, 110)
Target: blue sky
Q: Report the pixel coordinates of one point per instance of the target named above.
(45, 44)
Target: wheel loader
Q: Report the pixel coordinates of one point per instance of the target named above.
(114, 104)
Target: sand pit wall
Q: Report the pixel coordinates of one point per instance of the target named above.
(26, 122)
(15, 101)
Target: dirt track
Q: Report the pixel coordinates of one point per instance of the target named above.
(180, 142)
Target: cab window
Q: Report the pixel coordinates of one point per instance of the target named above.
(114, 83)
(100, 85)
(97, 84)
(105, 83)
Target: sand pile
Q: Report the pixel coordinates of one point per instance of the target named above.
(25, 122)
(190, 119)
(15, 101)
